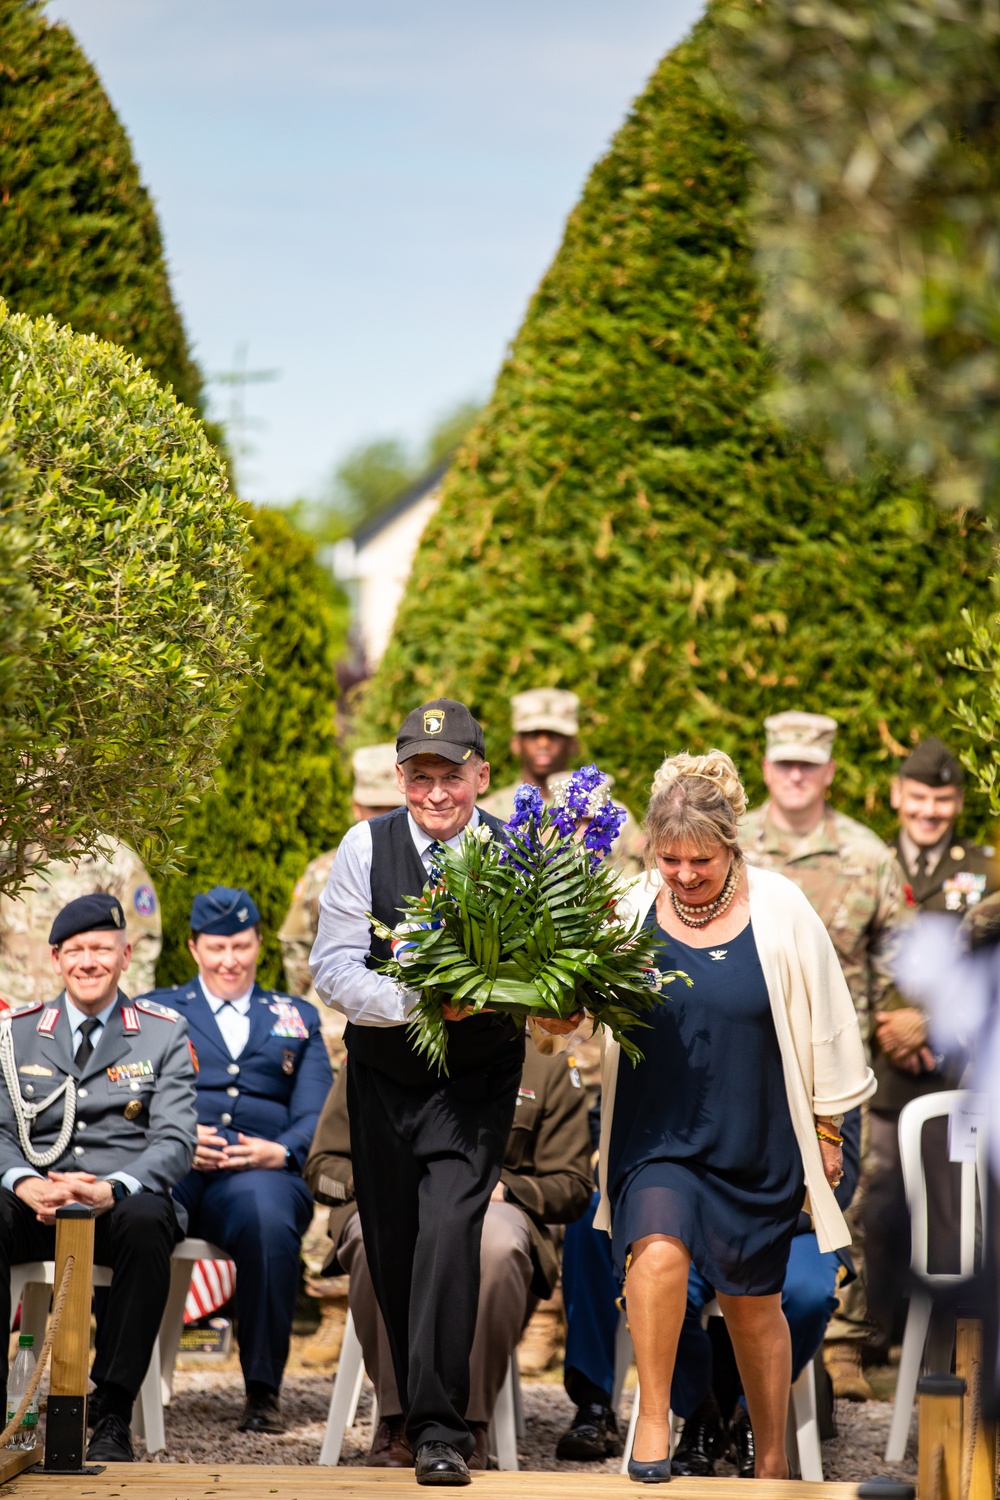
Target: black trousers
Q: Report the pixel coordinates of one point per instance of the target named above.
(135, 1238)
(425, 1163)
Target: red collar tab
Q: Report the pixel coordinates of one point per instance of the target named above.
(129, 1019)
(47, 1021)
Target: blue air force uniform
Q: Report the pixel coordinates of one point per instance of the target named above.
(274, 1087)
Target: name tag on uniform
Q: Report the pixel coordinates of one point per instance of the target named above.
(126, 1072)
(288, 1021)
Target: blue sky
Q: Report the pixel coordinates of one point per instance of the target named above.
(364, 193)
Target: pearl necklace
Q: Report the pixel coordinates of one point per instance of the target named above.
(700, 916)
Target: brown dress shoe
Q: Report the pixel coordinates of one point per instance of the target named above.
(390, 1447)
(842, 1358)
(481, 1432)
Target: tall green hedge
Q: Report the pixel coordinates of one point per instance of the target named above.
(78, 232)
(628, 522)
(281, 795)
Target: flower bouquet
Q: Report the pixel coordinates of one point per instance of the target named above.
(525, 924)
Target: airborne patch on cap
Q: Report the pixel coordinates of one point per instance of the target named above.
(433, 721)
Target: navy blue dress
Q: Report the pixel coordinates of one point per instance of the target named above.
(702, 1146)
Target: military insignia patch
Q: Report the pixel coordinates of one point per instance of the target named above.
(433, 720)
(35, 1070)
(47, 1021)
(144, 900)
(194, 1056)
(133, 1109)
(130, 1020)
(963, 890)
(289, 1022)
(152, 1008)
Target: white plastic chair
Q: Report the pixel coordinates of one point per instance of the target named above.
(505, 1429)
(912, 1120)
(31, 1285)
(802, 1442)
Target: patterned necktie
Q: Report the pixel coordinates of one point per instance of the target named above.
(86, 1048)
(435, 851)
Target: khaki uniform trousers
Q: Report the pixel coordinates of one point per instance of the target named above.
(505, 1304)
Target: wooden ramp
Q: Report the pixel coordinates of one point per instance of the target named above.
(283, 1482)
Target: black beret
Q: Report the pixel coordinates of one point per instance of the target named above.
(87, 914)
(223, 911)
(933, 764)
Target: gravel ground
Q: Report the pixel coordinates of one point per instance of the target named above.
(201, 1426)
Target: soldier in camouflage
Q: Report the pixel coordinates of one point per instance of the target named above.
(546, 724)
(852, 879)
(26, 976)
(375, 791)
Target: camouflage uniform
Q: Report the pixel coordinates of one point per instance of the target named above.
(853, 881)
(26, 973)
(626, 851)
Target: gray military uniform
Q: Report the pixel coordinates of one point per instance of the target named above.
(135, 1097)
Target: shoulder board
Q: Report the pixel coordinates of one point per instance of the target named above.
(26, 1010)
(151, 1008)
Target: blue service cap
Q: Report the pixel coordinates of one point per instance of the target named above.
(93, 913)
(221, 912)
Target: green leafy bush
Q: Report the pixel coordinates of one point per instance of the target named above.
(281, 795)
(124, 548)
(877, 128)
(78, 232)
(627, 521)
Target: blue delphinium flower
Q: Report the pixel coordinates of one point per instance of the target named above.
(604, 828)
(576, 802)
(528, 804)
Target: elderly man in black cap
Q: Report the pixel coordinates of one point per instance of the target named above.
(263, 1080)
(427, 1148)
(98, 1107)
(946, 874)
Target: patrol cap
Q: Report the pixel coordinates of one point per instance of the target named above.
(798, 736)
(95, 913)
(933, 764)
(442, 727)
(553, 709)
(375, 776)
(223, 911)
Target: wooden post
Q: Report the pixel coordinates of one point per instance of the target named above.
(969, 1364)
(940, 1437)
(66, 1419)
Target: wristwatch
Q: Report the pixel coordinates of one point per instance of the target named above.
(119, 1192)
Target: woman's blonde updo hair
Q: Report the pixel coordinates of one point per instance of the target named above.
(697, 799)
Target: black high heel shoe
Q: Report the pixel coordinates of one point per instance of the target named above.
(649, 1470)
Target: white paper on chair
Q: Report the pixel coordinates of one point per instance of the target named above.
(969, 1119)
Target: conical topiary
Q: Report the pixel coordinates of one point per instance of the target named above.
(626, 521)
(281, 795)
(78, 232)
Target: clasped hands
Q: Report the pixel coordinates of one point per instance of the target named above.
(46, 1194)
(214, 1153)
(547, 1023)
(902, 1036)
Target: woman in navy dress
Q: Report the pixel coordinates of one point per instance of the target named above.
(703, 1162)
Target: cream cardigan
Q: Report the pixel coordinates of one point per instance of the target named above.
(821, 1050)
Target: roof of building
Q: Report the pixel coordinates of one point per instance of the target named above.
(416, 492)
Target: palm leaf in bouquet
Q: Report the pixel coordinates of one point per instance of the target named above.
(526, 924)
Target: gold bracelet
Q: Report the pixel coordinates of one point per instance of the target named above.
(831, 1140)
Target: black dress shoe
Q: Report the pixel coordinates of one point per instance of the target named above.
(112, 1442)
(440, 1463)
(593, 1435)
(741, 1444)
(95, 1407)
(702, 1442)
(262, 1413)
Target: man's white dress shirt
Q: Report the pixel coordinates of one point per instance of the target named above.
(337, 961)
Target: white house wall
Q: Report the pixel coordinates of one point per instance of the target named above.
(382, 567)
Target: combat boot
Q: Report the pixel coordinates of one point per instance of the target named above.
(322, 1350)
(842, 1358)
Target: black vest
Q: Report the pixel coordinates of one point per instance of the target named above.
(475, 1044)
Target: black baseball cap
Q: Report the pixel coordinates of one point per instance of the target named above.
(443, 727)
